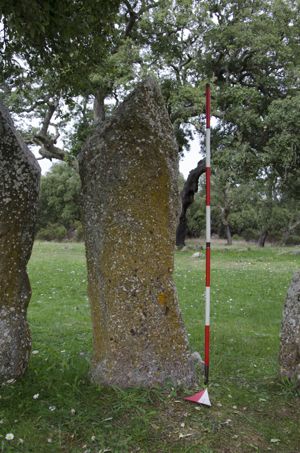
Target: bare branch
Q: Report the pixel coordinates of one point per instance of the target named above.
(49, 114)
(133, 17)
(48, 149)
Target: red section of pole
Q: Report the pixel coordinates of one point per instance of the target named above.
(207, 106)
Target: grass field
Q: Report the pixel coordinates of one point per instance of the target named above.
(55, 408)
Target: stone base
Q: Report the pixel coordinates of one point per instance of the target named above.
(144, 375)
(15, 344)
(289, 357)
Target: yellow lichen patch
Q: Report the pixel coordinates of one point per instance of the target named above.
(162, 298)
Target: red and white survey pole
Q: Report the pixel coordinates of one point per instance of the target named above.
(202, 396)
(208, 240)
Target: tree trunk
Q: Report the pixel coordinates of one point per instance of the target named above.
(187, 197)
(285, 236)
(228, 234)
(262, 238)
(99, 107)
(225, 211)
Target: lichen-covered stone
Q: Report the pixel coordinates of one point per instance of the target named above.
(19, 186)
(290, 333)
(130, 203)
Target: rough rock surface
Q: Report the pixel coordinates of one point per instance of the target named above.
(290, 333)
(19, 186)
(130, 203)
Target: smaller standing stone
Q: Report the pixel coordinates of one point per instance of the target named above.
(19, 189)
(290, 333)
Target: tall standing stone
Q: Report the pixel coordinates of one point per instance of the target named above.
(19, 186)
(130, 203)
(290, 333)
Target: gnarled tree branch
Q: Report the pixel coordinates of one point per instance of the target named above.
(187, 197)
(47, 143)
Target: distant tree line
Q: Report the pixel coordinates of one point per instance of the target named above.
(242, 211)
(248, 212)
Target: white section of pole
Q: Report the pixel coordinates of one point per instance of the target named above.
(208, 224)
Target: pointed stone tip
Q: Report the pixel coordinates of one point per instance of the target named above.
(9, 132)
(147, 89)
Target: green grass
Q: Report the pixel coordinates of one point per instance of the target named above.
(252, 409)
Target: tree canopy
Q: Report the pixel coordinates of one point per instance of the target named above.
(74, 65)
(62, 36)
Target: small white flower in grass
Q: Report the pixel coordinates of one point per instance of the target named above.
(72, 411)
(49, 440)
(9, 436)
(52, 408)
(35, 352)
(10, 381)
(93, 438)
(35, 397)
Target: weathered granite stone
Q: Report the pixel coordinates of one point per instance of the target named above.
(290, 333)
(130, 203)
(19, 185)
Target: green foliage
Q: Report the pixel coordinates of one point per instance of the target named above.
(79, 233)
(52, 232)
(59, 204)
(64, 36)
(253, 59)
(196, 217)
(249, 208)
(283, 144)
(293, 240)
